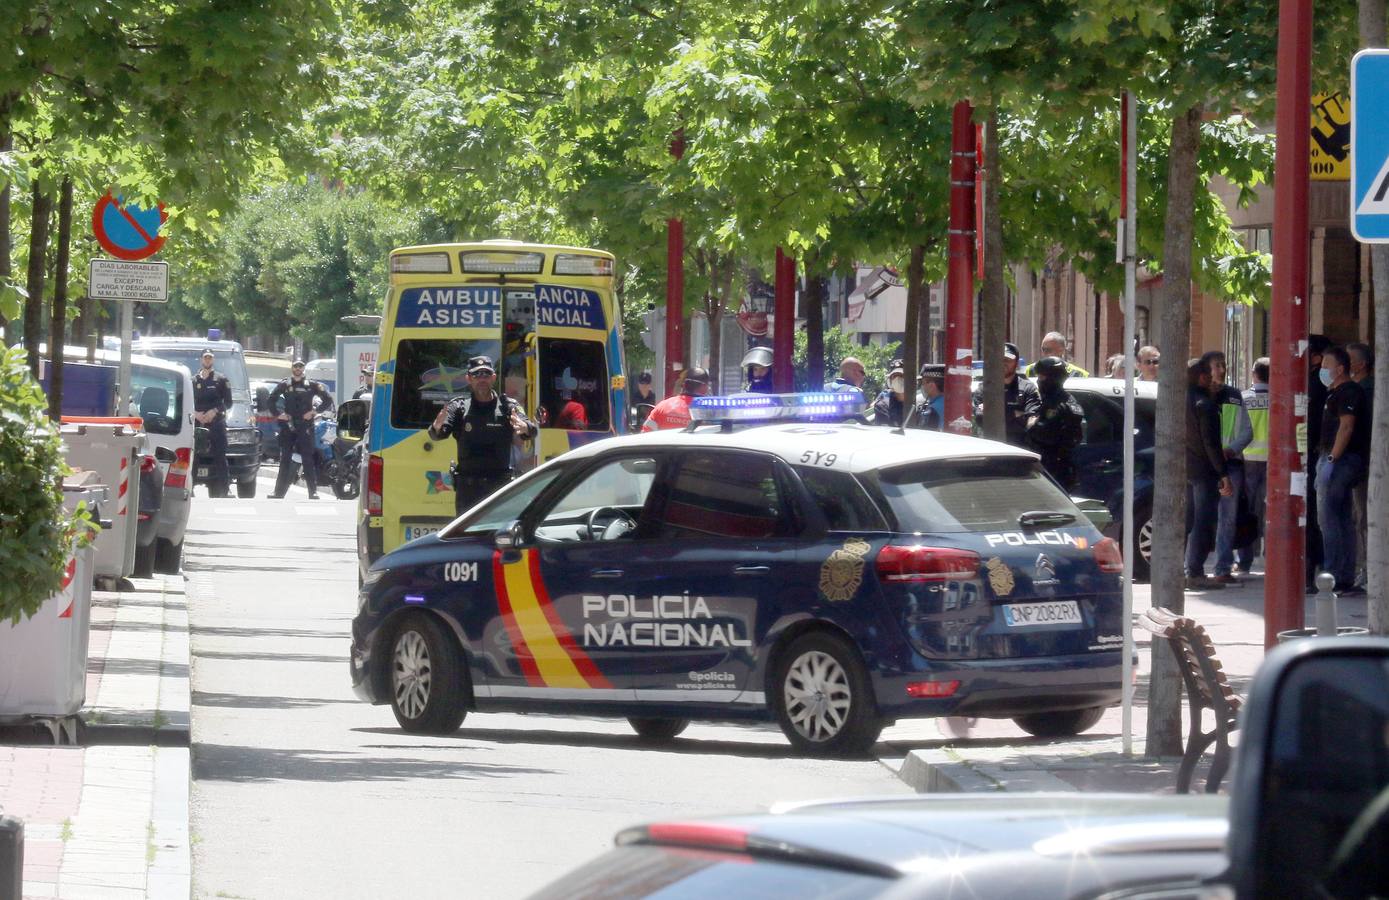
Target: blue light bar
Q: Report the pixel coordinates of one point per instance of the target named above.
(773, 407)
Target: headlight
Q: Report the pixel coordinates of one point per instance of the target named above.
(372, 576)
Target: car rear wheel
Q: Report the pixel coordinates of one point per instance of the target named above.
(1143, 537)
(823, 699)
(427, 678)
(168, 556)
(246, 489)
(1059, 724)
(657, 730)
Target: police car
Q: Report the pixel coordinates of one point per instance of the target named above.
(831, 576)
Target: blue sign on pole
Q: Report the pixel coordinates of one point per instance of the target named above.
(1369, 146)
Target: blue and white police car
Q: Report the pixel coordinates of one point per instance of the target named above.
(761, 564)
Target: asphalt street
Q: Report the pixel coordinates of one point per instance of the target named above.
(300, 790)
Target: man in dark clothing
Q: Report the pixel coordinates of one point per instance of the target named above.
(1317, 345)
(1059, 425)
(1344, 453)
(891, 407)
(212, 397)
(1207, 479)
(484, 423)
(644, 400)
(297, 432)
(1021, 402)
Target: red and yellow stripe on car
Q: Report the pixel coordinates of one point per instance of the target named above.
(547, 652)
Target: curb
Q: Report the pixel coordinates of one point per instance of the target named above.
(942, 771)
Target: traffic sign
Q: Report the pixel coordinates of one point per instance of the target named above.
(1369, 146)
(114, 279)
(127, 230)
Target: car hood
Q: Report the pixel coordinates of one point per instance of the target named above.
(912, 833)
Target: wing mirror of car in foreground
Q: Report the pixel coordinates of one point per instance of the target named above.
(1309, 805)
(509, 536)
(164, 454)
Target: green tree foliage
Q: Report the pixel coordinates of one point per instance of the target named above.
(297, 258)
(838, 345)
(36, 534)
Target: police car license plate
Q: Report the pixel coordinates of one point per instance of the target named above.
(202, 472)
(1058, 612)
(417, 531)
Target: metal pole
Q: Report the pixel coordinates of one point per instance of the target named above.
(123, 392)
(959, 310)
(1128, 252)
(783, 337)
(1285, 532)
(675, 288)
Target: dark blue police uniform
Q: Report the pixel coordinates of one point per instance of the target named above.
(212, 391)
(297, 435)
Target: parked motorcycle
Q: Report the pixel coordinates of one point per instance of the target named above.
(353, 416)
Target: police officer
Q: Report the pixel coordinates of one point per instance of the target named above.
(757, 362)
(1020, 399)
(212, 397)
(891, 407)
(1057, 429)
(930, 413)
(297, 432)
(484, 423)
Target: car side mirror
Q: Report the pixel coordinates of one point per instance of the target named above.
(509, 536)
(164, 454)
(1309, 812)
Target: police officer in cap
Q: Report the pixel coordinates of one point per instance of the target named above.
(1021, 400)
(1058, 427)
(296, 430)
(212, 397)
(484, 423)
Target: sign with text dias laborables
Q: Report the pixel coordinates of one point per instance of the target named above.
(1369, 146)
(117, 279)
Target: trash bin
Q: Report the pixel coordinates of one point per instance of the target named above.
(43, 659)
(11, 857)
(111, 447)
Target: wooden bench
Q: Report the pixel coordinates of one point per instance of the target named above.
(1206, 689)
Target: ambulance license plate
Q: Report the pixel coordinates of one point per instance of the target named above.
(419, 531)
(1057, 612)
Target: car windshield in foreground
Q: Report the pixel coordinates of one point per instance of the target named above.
(968, 495)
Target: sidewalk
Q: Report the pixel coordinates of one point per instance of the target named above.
(994, 755)
(109, 818)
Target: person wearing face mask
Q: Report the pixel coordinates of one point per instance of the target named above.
(1058, 427)
(758, 364)
(1021, 401)
(891, 407)
(1345, 449)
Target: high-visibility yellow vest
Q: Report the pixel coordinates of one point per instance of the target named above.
(1256, 404)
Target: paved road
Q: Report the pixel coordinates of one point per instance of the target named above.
(301, 791)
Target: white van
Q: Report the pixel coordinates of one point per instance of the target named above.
(162, 395)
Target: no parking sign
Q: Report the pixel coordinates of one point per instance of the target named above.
(127, 230)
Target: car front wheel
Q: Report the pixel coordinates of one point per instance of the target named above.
(1066, 723)
(246, 489)
(427, 678)
(823, 699)
(657, 731)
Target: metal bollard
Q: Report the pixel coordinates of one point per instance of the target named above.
(11, 858)
(1326, 605)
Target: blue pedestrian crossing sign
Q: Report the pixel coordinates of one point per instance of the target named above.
(1369, 146)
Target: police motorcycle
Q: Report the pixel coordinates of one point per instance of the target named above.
(352, 419)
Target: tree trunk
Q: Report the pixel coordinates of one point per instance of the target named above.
(916, 291)
(1372, 34)
(6, 144)
(38, 259)
(57, 333)
(817, 289)
(993, 309)
(1169, 491)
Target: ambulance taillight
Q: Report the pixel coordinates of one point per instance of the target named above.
(375, 470)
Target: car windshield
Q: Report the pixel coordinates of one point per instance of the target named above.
(967, 495)
(228, 362)
(507, 506)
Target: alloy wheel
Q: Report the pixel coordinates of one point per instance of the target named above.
(412, 674)
(818, 696)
